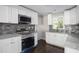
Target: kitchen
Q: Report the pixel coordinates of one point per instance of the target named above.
(23, 26)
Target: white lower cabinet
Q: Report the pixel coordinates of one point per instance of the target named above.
(10, 45)
(57, 39)
(71, 50)
(14, 16)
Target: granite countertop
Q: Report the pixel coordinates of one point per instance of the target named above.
(5, 36)
(73, 41)
(23, 33)
(58, 32)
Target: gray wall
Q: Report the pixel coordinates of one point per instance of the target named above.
(42, 26)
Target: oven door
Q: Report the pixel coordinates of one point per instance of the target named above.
(27, 44)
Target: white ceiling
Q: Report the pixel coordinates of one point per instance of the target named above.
(45, 9)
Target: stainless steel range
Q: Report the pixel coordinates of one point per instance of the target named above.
(27, 32)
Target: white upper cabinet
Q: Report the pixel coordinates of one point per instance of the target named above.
(67, 17)
(34, 18)
(3, 14)
(77, 13)
(23, 12)
(50, 19)
(8, 14)
(71, 17)
(14, 17)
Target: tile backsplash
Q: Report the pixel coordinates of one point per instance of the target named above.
(12, 28)
(7, 28)
(72, 28)
(28, 28)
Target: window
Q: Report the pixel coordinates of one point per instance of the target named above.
(58, 21)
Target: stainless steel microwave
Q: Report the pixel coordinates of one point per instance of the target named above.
(24, 19)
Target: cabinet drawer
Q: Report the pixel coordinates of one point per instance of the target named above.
(13, 45)
(14, 39)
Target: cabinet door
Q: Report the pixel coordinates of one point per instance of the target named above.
(77, 14)
(15, 45)
(51, 38)
(10, 45)
(14, 15)
(50, 19)
(3, 14)
(56, 39)
(67, 17)
(8, 14)
(70, 17)
(34, 18)
(4, 45)
(61, 39)
(73, 16)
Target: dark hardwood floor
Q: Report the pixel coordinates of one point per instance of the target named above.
(43, 47)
